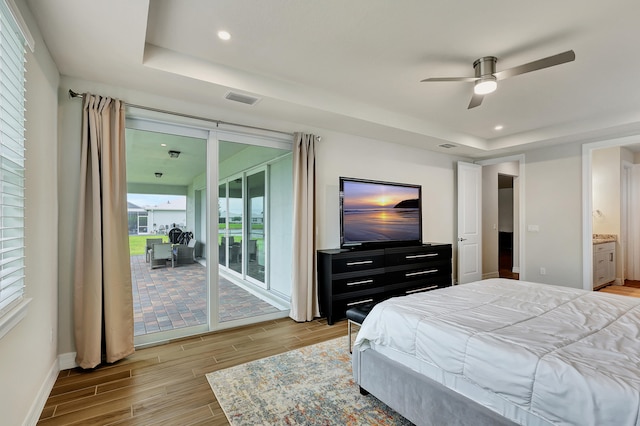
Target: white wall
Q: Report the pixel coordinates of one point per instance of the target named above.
(351, 156)
(28, 363)
(553, 202)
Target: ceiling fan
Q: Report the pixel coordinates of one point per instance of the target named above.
(486, 78)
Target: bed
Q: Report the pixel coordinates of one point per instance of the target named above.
(504, 352)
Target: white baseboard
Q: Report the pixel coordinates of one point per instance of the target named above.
(515, 269)
(67, 361)
(43, 394)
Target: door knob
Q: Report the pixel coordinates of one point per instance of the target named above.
(462, 239)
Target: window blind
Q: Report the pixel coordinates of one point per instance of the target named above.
(12, 108)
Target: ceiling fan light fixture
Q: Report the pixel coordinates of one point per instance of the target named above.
(485, 85)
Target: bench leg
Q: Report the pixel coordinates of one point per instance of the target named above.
(349, 328)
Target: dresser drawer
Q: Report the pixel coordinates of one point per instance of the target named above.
(425, 268)
(415, 255)
(348, 262)
(357, 281)
(427, 274)
(416, 274)
(406, 289)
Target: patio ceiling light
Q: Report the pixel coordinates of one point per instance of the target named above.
(174, 154)
(158, 174)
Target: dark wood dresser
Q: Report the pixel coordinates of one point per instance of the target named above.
(348, 278)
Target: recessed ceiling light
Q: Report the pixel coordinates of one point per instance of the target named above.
(224, 35)
(163, 144)
(498, 127)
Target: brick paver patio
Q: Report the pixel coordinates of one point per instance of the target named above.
(167, 298)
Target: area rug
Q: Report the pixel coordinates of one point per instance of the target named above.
(307, 386)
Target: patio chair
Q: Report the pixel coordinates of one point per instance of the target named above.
(253, 250)
(174, 235)
(184, 253)
(160, 253)
(150, 243)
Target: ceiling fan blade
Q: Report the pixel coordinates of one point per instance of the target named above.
(476, 100)
(449, 79)
(547, 62)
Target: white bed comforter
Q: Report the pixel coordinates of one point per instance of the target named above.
(565, 355)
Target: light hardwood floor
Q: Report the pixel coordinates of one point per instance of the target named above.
(625, 290)
(166, 385)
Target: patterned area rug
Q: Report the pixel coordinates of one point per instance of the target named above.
(307, 386)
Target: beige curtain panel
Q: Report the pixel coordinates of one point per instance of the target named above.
(304, 294)
(103, 302)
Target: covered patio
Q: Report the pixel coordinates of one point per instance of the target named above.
(167, 167)
(171, 298)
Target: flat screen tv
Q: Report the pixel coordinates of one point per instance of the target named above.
(374, 213)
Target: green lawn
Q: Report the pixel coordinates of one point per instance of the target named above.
(138, 243)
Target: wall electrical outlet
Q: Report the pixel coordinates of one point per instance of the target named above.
(543, 270)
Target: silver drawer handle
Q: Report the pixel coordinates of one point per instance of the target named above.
(360, 302)
(421, 289)
(360, 282)
(413, 274)
(418, 256)
(364, 262)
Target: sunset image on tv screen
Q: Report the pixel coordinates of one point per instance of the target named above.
(380, 212)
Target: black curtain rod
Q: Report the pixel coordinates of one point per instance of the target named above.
(73, 94)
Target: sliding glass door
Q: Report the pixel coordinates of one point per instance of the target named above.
(191, 180)
(166, 180)
(245, 224)
(241, 227)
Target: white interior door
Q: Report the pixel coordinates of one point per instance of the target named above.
(469, 222)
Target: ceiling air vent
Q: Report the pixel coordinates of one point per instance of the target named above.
(447, 145)
(243, 99)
